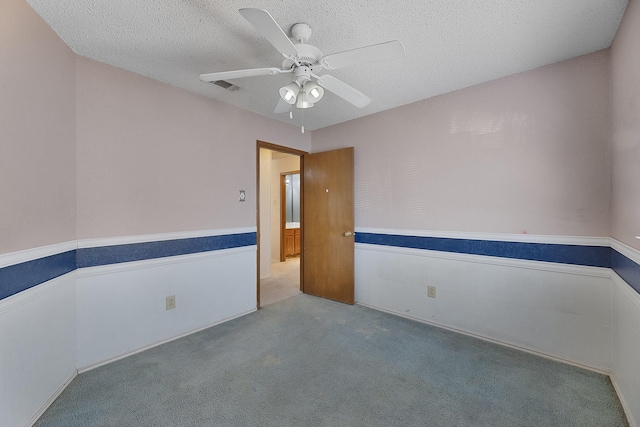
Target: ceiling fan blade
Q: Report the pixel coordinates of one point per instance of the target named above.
(282, 106)
(344, 91)
(364, 55)
(269, 28)
(239, 74)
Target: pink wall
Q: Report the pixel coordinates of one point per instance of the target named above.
(625, 71)
(527, 153)
(37, 132)
(155, 159)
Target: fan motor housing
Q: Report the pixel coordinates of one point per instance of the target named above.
(309, 56)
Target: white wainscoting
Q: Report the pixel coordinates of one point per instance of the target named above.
(37, 338)
(625, 370)
(121, 307)
(560, 311)
(582, 315)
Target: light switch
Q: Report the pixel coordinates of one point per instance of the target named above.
(241, 196)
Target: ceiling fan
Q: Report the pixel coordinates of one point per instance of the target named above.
(305, 62)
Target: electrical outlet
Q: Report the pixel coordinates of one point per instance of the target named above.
(171, 302)
(431, 291)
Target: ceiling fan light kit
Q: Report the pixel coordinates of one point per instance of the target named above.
(290, 92)
(306, 61)
(313, 91)
(303, 102)
(306, 94)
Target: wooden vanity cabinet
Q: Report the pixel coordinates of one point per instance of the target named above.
(292, 242)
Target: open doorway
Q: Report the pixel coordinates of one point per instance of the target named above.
(279, 223)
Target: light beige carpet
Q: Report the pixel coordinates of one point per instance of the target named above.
(283, 283)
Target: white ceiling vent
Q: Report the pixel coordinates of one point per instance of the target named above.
(226, 85)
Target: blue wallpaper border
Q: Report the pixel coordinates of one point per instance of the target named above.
(592, 256)
(20, 277)
(105, 255)
(626, 268)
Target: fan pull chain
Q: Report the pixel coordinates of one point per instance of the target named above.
(302, 119)
(291, 112)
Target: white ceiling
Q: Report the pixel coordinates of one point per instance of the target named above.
(449, 44)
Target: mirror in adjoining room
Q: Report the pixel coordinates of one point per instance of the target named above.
(290, 220)
(292, 198)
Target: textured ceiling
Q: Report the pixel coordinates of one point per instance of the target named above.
(449, 44)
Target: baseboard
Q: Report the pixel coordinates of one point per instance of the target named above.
(491, 340)
(86, 368)
(623, 401)
(52, 399)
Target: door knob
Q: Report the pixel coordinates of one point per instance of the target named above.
(348, 233)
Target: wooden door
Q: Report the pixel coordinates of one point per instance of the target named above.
(328, 220)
